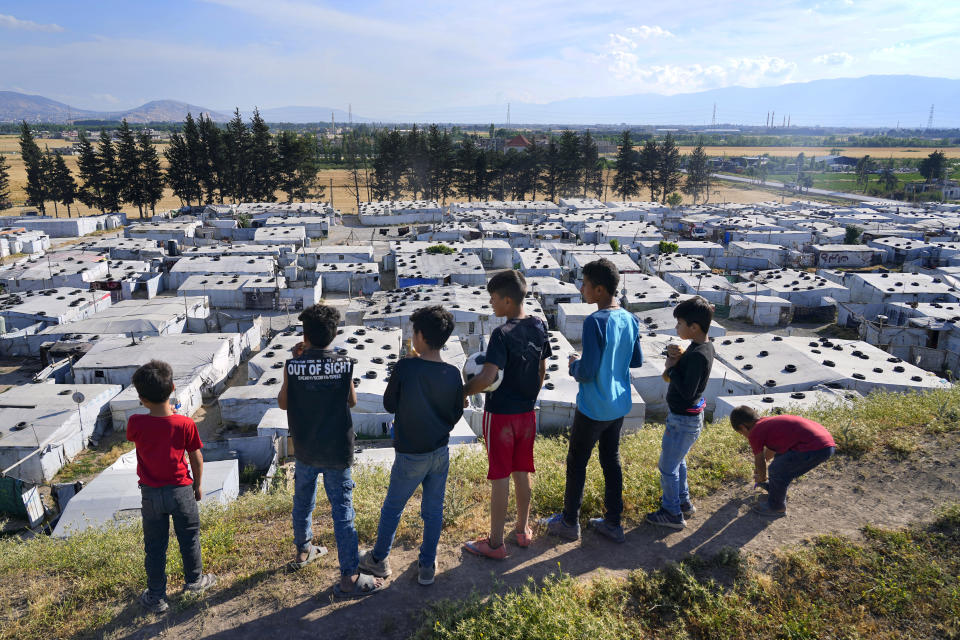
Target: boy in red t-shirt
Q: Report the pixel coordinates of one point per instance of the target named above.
(167, 487)
(799, 444)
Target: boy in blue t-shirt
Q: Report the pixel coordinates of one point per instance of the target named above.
(611, 346)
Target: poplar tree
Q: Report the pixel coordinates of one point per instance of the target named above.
(465, 168)
(570, 164)
(194, 160)
(212, 166)
(178, 175)
(551, 170)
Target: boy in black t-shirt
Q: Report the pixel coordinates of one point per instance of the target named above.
(426, 396)
(317, 394)
(520, 347)
(688, 373)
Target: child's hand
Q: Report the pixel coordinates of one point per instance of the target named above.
(197, 493)
(674, 351)
(573, 356)
(670, 363)
(297, 350)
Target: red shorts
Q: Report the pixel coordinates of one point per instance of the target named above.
(509, 441)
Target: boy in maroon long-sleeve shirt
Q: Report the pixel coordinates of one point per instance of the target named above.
(799, 444)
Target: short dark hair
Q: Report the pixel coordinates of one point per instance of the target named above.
(319, 324)
(743, 415)
(434, 323)
(509, 284)
(695, 310)
(604, 273)
(154, 381)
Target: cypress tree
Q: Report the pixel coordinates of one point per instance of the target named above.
(194, 167)
(63, 187)
(213, 161)
(90, 191)
(237, 158)
(4, 184)
(466, 167)
(151, 173)
(625, 183)
(178, 170)
(647, 168)
(591, 166)
(263, 161)
(33, 162)
(570, 164)
(698, 173)
(551, 175)
(129, 167)
(112, 180)
(668, 167)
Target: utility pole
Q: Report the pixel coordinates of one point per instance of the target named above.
(788, 122)
(773, 114)
(930, 119)
(713, 122)
(508, 115)
(350, 114)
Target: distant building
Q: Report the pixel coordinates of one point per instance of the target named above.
(949, 188)
(517, 143)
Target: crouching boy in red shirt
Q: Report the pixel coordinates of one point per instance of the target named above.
(799, 445)
(167, 486)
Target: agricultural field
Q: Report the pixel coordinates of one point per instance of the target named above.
(878, 153)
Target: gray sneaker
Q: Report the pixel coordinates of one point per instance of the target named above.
(152, 603)
(687, 509)
(206, 581)
(427, 574)
(663, 518)
(557, 527)
(369, 565)
(604, 528)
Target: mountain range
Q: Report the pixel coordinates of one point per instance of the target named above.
(884, 101)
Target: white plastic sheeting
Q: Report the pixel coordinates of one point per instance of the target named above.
(158, 316)
(773, 363)
(114, 496)
(45, 417)
(648, 379)
(557, 401)
(796, 402)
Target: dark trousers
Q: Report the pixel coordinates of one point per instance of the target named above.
(789, 466)
(583, 435)
(158, 506)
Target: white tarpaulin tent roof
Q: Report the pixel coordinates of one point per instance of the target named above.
(114, 496)
(795, 402)
(648, 380)
(138, 317)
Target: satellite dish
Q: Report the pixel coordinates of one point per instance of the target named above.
(79, 397)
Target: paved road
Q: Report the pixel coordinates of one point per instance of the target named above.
(813, 192)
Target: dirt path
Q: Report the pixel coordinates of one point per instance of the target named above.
(840, 498)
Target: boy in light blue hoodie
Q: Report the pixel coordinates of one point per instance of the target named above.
(611, 347)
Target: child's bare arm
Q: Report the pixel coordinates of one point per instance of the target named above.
(352, 397)
(282, 396)
(196, 466)
(759, 468)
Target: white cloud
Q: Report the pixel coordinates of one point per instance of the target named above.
(644, 32)
(670, 78)
(105, 97)
(9, 22)
(834, 59)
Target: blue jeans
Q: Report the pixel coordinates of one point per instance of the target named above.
(158, 506)
(789, 466)
(410, 470)
(338, 483)
(680, 434)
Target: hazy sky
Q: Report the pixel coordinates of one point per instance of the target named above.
(402, 57)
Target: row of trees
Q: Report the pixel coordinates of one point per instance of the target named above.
(110, 173)
(208, 164)
(426, 163)
(656, 167)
